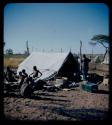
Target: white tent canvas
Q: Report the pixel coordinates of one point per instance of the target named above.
(96, 59)
(106, 59)
(48, 63)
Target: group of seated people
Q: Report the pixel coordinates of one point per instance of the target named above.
(10, 76)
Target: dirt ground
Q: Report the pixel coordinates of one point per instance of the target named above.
(72, 105)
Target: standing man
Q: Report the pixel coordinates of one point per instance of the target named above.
(85, 66)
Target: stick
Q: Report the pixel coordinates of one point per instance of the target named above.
(81, 54)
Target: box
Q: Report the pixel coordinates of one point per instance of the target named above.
(90, 87)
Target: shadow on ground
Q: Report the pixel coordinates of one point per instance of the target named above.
(102, 92)
(36, 97)
(79, 114)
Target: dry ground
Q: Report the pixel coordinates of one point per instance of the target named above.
(62, 105)
(75, 104)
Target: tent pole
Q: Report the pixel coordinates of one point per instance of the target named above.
(81, 55)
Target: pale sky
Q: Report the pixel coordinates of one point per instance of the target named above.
(52, 26)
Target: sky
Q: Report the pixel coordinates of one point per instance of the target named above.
(52, 26)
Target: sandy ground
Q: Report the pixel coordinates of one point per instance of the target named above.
(75, 105)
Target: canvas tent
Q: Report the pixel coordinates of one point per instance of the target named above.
(96, 59)
(50, 64)
(106, 59)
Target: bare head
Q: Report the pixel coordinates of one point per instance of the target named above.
(84, 56)
(34, 67)
(8, 68)
(20, 73)
(23, 71)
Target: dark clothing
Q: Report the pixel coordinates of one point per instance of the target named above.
(85, 67)
(10, 76)
(86, 63)
(85, 73)
(25, 77)
(21, 80)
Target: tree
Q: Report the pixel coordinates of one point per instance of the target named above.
(9, 51)
(103, 40)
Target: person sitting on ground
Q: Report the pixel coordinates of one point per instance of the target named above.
(25, 75)
(10, 75)
(36, 73)
(85, 66)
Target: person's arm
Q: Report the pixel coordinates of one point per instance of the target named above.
(26, 75)
(40, 73)
(14, 73)
(31, 74)
(89, 60)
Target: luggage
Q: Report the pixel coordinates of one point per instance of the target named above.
(90, 87)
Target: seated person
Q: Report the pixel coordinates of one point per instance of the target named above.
(22, 79)
(10, 75)
(36, 73)
(24, 75)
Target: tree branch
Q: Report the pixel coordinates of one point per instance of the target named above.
(102, 44)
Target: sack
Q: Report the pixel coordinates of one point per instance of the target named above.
(26, 90)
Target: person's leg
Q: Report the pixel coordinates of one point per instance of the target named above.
(85, 74)
(84, 77)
